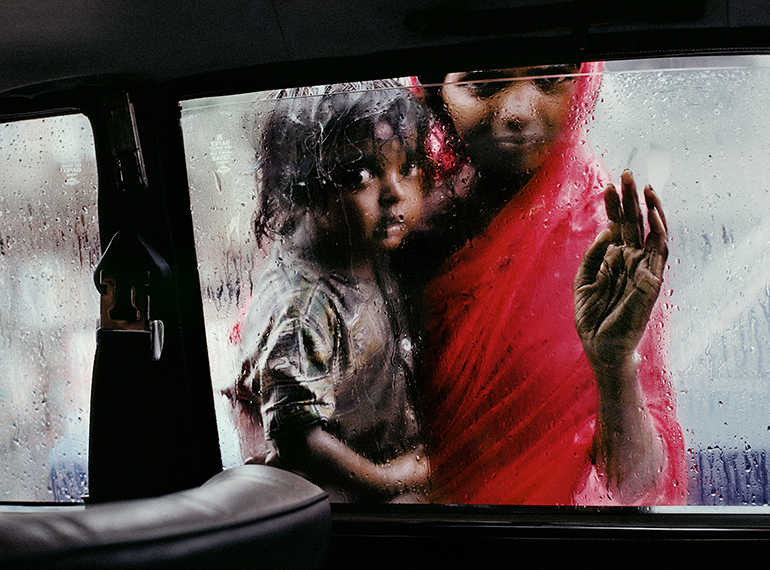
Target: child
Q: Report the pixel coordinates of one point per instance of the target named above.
(329, 354)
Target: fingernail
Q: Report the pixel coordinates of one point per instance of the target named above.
(648, 198)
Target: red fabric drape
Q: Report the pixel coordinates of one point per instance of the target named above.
(510, 398)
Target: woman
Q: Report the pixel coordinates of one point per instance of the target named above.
(520, 410)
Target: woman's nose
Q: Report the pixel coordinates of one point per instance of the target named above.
(516, 106)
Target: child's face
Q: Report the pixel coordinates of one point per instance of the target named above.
(380, 198)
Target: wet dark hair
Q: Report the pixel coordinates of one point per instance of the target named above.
(310, 136)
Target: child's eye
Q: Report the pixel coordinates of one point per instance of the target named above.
(353, 178)
(410, 169)
(363, 176)
(359, 178)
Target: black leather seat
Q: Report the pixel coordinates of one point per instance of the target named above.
(252, 516)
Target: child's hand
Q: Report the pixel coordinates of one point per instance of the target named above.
(323, 457)
(620, 276)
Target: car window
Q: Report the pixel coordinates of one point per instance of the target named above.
(695, 129)
(49, 247)
(702, 135)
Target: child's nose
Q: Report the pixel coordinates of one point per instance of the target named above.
(392, 189)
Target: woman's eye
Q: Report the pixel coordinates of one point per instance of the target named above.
(486, 89)
(549, 84)
(556, 76)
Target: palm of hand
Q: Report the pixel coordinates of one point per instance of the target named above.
(619, 279)
(612, 311)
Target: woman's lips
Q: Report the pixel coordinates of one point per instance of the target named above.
(518, 142)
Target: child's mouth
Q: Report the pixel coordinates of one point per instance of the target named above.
(392, 226)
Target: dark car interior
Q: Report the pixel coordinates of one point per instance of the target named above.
(156, 491)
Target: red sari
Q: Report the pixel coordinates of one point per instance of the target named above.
(510, 398)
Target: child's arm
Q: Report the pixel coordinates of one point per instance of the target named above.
(615, 290)
(321, 456)
(297, 375)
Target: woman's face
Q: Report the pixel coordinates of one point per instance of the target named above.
(510, 118)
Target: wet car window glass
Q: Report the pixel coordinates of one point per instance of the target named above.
(49, 247)
(695, 129)
(701, 137)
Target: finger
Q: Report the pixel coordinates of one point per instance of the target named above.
(657, 223)
(655, 245)
(614, 212)
(633, 224)
(652, 201)
(658, 236)
(593, 259)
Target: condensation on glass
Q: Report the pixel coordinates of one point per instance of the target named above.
(700, 136)
(222, 177)
(698, 130)
(49, 247)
